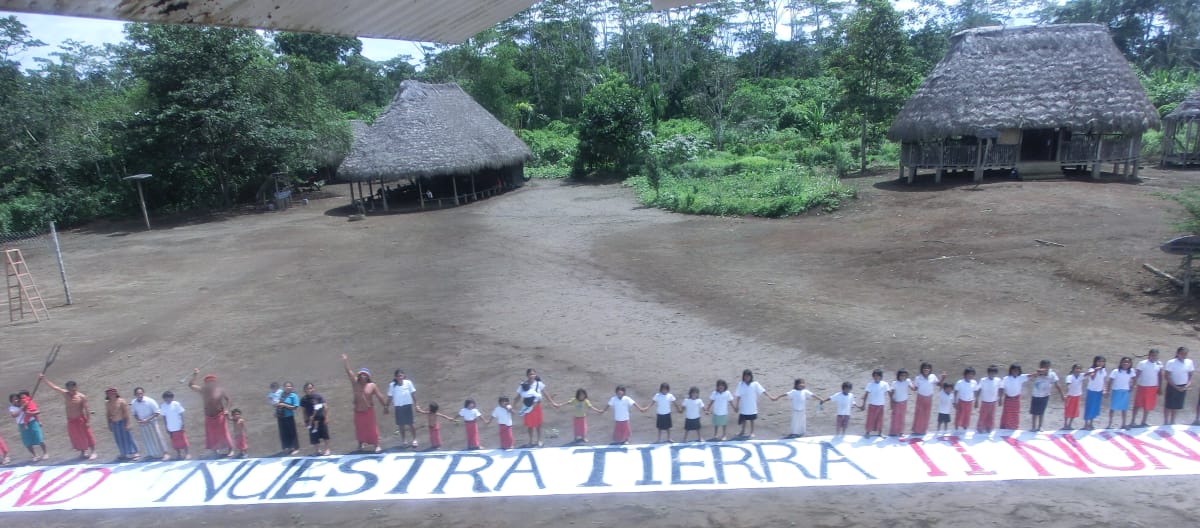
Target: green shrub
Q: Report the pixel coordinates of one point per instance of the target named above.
(553, 144)
(832, 154)
(1152, 145)
(772, 194)
(684, 127)
(548, 172)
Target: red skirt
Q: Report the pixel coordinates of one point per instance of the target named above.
(1011, 417)
(435, 436)
(962, 418)
(533, 420)
(80, 434)
(621, 431)
(1146, 398)
(240, 443)
(506, 437)
(899, 409)
(987, 417)
(1071, 407)
(580, 427)
(874, 418)
(179, 440)
(365, 427)
(216, 433)
(472, 428)
(921, 415)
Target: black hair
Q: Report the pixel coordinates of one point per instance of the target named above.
(926, 365)
(168, 395)
(503, 399)
(1013, 367)
(309, 384)
(398, 372)
(877, 372)
(968, 370)
(135, 389)
(846, 385)
(901, 372)
(993, 369)
(747, 372)
(236, 411)
(694, 390)
(1124, 359)
(797, 383)
(71, 384)
(1045, 363)
(1097, 359)
(467, 404)
(947, 385)
(580, 395)
(433, 407)
(721, 383)
(664, 386)
(529, 371)
(620, 388)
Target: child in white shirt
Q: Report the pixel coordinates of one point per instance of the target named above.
(692, 407)
(1074, 392)
(469, 415)
(664, 403)
(718, 405)
(874, 398)
(621, 405)
(845, 402)
(989, 394)
(964, 399)
(797, 395)
(1120, 383)
(503, 415)
(899, 402)
(945, 406)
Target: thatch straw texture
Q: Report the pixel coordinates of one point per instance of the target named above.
(1068, 76)
(1188, 109)
(431, 130)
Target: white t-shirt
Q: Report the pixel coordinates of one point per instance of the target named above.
(748, 397)
(1075, 385)
(798, 397)
(1014, 384)
(877, 392)
(1147, 372)
(945, 402)
(900, 390)
(1121, 380)
(502, 415)
(662, 402)
(965, 389)
(172, 414)
(401, 394)
(1177, 371)
(1042, 384)
(926, 386)
(620, 407)
(720, 402)
(1096, 383)
(16, 413)
(144, 409)
(989, 389)
(535, 391)
(844, 402)
(692, 408)
(469, 415)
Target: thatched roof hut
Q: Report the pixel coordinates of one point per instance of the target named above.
(432, 130)
(1181, 133)
(1023, 87)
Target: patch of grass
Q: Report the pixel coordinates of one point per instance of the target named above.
(771, 194)
(549, 172)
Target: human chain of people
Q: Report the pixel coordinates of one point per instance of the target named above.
(142, 427)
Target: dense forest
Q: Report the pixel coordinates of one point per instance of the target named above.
(728, 107)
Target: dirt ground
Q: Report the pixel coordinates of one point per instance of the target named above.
(593, 290)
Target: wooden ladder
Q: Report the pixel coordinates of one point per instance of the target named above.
(22, 291)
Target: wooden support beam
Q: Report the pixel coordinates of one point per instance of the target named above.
(383, 193)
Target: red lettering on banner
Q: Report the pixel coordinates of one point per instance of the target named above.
(32, 491)
(934, 471)
(976, 469)
(102, 473)
(1137, 462)
(1141, 446)
(1072, 459)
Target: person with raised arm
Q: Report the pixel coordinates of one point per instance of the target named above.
(79, 428)
(216, 414)
(366, 393)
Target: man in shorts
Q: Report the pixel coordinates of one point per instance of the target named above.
(400, 400)
(1179, 379)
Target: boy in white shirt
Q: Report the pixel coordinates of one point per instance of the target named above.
(874, 398)
(989, 394)
(964, 398)
(1178, 372)
(845, 402)
(797, 395)
(621, 405)
(504, 416)
(1040, 393)
(172, 414)
(664, 403)
(1149, 386)
(945, 407)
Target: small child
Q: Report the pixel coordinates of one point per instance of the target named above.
(504, 416)
(469, 414)
(718, 405)
(1039, 395)
(874, 398)
(964, 399)
(435, 428)
(692, 407)
(1120, 382)
(899, 402)
(989, 395)
(798, 395)
(845, 403)
(172, 413)
(274, 394)
(1097, 387)
(239, 433)
(664, 401)
(582, 404)
(1074, 393)
(1010, 403)
(945, 407)
(621, 405)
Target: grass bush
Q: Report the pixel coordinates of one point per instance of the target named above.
(1152, 145)
(548, 172)
(770, 193)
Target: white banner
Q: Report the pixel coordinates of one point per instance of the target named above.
(819, 461)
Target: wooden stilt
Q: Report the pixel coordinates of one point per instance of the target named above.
(383, 193)
(420, 193)
(1096, 158)
(454, 185)
(979, 162)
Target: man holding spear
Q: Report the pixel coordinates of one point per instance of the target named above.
(79, 427)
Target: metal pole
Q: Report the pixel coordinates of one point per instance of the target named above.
(142, 200)
(62, 270)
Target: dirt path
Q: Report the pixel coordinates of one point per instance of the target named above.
(581, 283)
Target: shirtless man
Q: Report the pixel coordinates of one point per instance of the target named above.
(365, 427)
(216, 412)
(79, 427)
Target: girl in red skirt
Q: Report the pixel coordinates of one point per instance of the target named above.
(1074, 392)
(580, 408)
(240, 445)
(621, 405)
(469, 415)
(435, 428)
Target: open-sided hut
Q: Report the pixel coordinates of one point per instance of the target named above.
(1036, 99)
(1181, 133)
(437, 138)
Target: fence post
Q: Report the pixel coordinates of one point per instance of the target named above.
(62, 270)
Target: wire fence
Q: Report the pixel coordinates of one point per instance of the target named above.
(43, 255)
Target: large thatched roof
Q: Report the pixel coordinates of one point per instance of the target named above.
(431, 130)
(1069, 75)
(1189, 108)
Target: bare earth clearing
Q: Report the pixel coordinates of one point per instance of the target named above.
(581, 283)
